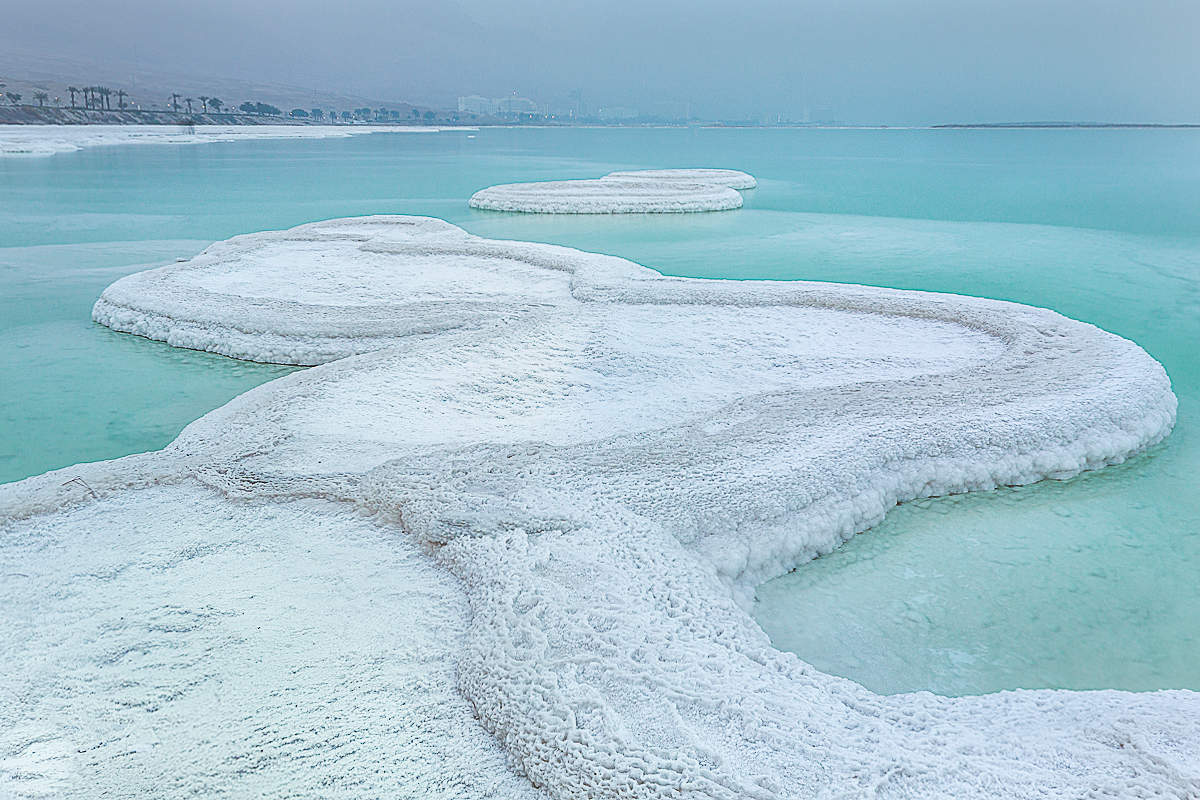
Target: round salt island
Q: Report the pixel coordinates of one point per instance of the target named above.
(326, 290)
(663, 191)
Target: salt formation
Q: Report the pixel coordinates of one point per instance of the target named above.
(48, 140)
(327, 290)
(544, 520)
(720, 177)
(656, 191)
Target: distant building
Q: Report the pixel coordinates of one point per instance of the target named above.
(577, 109)
(516, 105)
(510, 106)
(476, 104)
(672, 110)
(617, 112)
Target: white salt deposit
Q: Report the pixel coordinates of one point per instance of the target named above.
(544, 519)
(48, 140)
(721, 177)
(661, 191)
(331, 289)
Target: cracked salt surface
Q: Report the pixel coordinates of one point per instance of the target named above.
(542, 518)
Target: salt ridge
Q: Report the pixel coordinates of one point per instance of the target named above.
(662, 191)
(587, 483)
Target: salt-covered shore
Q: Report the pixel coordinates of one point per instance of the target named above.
(510, 553)
(657, 191)
(48, 140)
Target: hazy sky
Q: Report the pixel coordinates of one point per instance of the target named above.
(895, 61)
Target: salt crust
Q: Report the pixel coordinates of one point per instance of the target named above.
(48, 140)
(545, 519)
(655, 191)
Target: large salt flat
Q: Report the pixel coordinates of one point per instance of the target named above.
(588, 481)
(48, 140)
(662, 191)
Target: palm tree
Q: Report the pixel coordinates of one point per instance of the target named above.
(74, 91)
(204, 102)
(104, 93)
(41, 97)
(121, 95)
(175, 101)
(216, 104)
(188, 100)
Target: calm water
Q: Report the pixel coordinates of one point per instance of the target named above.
(1083, 584)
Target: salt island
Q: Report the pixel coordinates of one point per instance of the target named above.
(502, 542)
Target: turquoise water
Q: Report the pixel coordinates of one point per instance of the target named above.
(1083, 584)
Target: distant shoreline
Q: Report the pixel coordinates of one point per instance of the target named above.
(1068, 125)
(35, 115)
(45, 115)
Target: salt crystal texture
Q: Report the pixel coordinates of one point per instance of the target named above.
(538, 510)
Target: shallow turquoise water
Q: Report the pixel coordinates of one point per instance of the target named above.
(1088, 583)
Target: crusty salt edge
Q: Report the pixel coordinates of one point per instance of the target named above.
(609, 650)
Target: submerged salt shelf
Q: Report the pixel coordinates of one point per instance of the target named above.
(545, 522)
(659, 191)
(48, 140)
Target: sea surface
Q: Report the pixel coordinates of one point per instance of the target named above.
(1088, 583)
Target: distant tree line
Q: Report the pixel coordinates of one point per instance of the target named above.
(100, 98)
(262, 109)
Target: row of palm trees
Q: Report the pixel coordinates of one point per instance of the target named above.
(99, 98)
(15, 97)
(214, 102)
(96, 97)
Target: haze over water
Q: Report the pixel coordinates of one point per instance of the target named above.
(1084, 584)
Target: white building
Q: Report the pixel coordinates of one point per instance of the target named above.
(516, 105)
(475, 104)
(617, 112)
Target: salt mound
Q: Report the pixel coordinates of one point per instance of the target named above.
(547, 524)
(662, 191)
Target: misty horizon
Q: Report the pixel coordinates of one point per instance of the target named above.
(867, 62)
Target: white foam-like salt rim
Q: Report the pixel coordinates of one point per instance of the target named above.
(608, 557)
